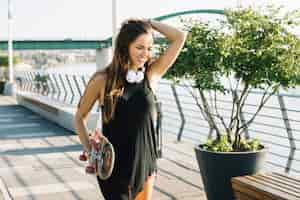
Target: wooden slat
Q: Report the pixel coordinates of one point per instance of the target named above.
(283, 179)
(271, 184)
(290, 179)
(283, 184)
(246, 192)
(267, 186)
(244, 196)
(251, 189)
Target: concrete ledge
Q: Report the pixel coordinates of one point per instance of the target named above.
(10, 89)
(62, 114)
(44, 106)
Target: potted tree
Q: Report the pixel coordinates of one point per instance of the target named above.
(4, 71)
(40, 82)
(246, 51)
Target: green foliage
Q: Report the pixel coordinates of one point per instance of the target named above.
(252, 48)
(4, 61)
(261, 51)
(41, 82)
(41, 78)
(200, 57)
(223, 145)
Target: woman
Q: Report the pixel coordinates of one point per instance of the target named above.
(124, 91)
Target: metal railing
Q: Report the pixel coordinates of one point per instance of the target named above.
(277, 125)
(64, 88)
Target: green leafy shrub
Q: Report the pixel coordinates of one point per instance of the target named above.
(4, 60)
(252, 50)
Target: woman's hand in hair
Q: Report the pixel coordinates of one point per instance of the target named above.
(177, 38)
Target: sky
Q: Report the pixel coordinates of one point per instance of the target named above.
(92, 19)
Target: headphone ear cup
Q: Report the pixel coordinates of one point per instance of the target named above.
(139, 76)
(135, 77)
(131, 76)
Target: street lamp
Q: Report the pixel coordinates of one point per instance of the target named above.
(10, 87)
(10, 42)
(114, 22)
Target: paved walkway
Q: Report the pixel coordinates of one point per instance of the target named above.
(39, 160)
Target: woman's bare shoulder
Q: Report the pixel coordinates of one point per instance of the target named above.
(99, 78)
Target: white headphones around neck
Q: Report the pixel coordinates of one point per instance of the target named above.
(135, 76)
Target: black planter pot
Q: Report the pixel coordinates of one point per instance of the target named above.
(2, 86)
(217, 169)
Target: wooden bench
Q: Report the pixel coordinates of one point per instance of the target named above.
(266, 186)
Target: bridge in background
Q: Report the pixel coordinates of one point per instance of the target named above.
(56, 44)
(89, 44)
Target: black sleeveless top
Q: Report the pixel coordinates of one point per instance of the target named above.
(132, 134)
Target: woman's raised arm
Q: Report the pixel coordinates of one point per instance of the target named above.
(177, 38)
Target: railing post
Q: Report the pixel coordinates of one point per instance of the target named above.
(84, 81)
(47, 84)
(28, 81)
(180, 112)
(64, 88)
(77, 85)
(71, 89)
(53, 90)
(57, 85)
(31, 75)
(289, 132)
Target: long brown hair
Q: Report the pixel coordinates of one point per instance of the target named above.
(116, 70)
